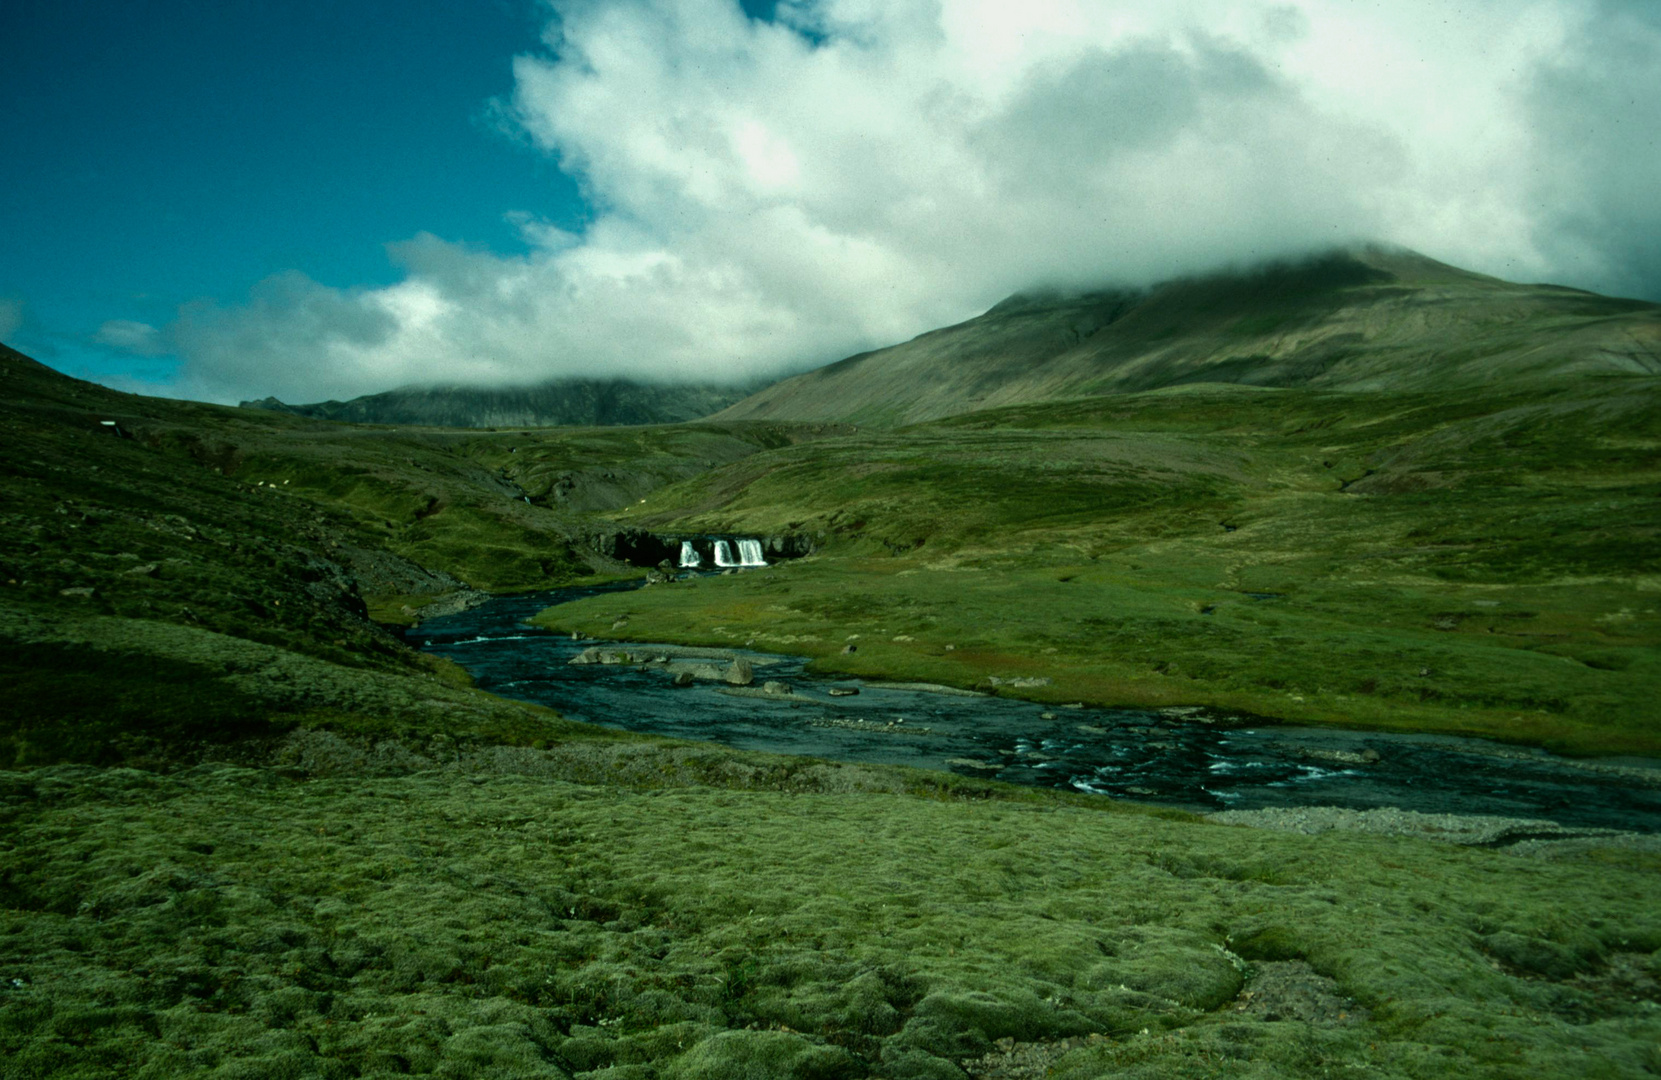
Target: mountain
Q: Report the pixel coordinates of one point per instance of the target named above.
(1364, 319)
(560, 403)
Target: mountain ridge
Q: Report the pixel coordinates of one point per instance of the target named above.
(1369, 318)
(556, 403)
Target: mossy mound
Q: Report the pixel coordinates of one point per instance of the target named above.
(487, 918)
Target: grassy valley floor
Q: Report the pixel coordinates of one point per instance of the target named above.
(1485, 567)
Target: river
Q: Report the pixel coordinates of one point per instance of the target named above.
(1192, 759)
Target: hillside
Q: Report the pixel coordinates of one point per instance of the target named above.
(1466, 562)
(175, 575)
(1368, 319)
(560, 403)
(245, 831)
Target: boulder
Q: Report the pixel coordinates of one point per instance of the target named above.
(771, 687)
(590, 655)
(843, 691)
(683, 678)
(740, 673)
(849, 649)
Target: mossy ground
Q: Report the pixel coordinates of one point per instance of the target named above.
(491, 917)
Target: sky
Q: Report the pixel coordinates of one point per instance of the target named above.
(228, 200)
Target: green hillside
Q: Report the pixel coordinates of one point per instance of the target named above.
(246, 832)
(1368, 319)
(1485, 564)
(559, 403)
(173, 574)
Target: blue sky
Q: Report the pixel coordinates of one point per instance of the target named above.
(161, 152)
(233, 199)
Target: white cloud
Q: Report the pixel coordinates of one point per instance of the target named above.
(11, 316)
(129, 336)
(769, 195)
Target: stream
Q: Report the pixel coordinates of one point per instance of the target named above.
(1187, 758)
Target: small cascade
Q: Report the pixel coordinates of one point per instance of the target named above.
(749, 553)
(723, 554)
(690, 559)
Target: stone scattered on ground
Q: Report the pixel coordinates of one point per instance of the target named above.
(897, 726)
(453, 604)
(1011, 1060)
(695, 670)
(1338, 757)
(1292, 990)
(762, 692)
(927, 688)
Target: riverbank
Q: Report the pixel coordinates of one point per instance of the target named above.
(1056, 631)
(1185, 758)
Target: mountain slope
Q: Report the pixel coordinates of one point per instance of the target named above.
(1369, 319)
(561, 403)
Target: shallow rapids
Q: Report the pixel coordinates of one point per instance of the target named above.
(1183, 758)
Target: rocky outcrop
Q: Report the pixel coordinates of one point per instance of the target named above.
(560, 403)
(640, 547)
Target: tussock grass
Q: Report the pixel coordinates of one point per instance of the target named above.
(485, 917)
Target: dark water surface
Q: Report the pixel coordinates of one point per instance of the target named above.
(1169, 757)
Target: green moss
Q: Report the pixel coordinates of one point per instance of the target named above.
(494, 915)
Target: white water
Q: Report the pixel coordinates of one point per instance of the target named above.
(723, 554)
(689, 556)
(749, 553)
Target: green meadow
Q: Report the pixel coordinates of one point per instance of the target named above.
(245, 832)
(1484, 566)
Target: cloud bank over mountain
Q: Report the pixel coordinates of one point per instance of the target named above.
(768, 195)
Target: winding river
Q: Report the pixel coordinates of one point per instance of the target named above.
(1182, 758)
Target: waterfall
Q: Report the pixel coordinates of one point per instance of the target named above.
(689, 556)
(723, 554)
(749, 553)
